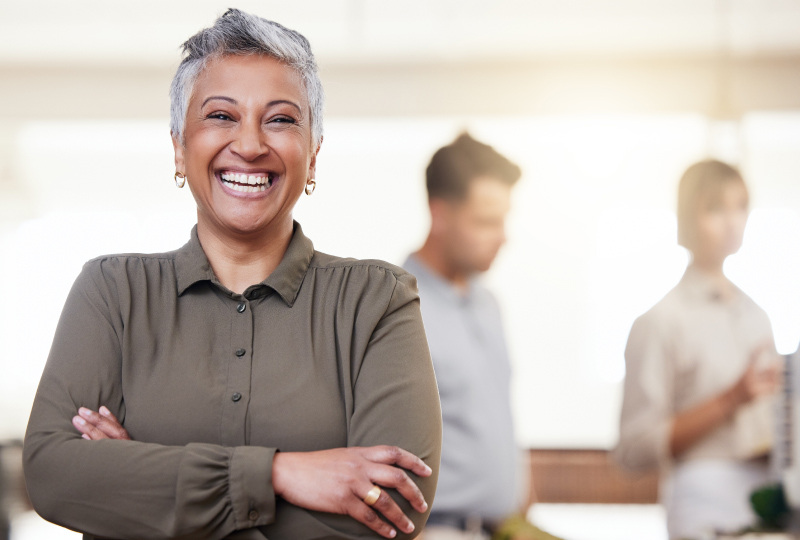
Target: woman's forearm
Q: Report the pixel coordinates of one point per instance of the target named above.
(691, 425)
(759, 378)
(128, 489)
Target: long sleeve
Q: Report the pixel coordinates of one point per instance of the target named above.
(127, 489)
(646, 417)
(394, 398)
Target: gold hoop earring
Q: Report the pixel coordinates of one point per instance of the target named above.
(310, 186)
(180, 179)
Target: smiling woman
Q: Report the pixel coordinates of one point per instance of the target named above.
(244, 385)
(248, 152)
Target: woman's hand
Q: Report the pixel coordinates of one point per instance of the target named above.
(95, 426)
(338, 480)
(762, 376)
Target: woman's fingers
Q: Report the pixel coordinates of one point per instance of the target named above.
(345, 480)
(389, 509)
(392, 455)
(393, 477)
(762, 375)
(368, 515)
(102, 425)
(364, 513)
(88, 431)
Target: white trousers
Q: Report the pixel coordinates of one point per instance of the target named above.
(704, 496)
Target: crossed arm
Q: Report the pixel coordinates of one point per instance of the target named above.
(334, 481)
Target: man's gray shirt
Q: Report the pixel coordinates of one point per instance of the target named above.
(479, 468)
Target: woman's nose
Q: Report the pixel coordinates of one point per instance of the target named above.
(250, 141)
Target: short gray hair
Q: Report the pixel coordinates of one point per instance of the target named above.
(237, 32)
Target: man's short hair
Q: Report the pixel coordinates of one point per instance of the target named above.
(455, 166)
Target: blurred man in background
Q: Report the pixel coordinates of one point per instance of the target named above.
(481, 489)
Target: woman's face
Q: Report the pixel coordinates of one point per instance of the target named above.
(248, 152)
(721, 223)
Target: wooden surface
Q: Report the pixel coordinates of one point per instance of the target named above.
(587, 476)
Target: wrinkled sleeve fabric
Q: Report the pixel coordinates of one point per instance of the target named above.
(394, 399)
(127, 489)
(647, 408)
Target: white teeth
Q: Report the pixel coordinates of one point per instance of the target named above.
(247, 189)
(246, 183)
(245, 179)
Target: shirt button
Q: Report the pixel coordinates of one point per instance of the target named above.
(236, 396)
(253, 515)
(240, 352)
(241, 307)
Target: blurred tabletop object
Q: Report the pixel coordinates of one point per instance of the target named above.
(13, 497)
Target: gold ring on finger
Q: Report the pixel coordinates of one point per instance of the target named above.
(372, 495)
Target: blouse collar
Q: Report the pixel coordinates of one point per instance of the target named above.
(701, 285)
(192, 266)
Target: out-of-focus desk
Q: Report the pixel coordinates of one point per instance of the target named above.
(587, 476)
(582, 495)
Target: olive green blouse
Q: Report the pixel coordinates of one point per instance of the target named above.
(326, 352)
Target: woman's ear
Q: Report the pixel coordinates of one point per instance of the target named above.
(180, 164)
(312, 166)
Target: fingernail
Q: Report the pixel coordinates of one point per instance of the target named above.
(392, 533)
(83, 410)
(428, 469)
(79, 420)
(85, 436)
(424, 506)
(104, 411)
(409, 527)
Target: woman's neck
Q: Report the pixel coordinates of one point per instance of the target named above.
(713, 269)
(710, 266)
(239, 261)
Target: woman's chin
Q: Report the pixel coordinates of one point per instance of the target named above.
(238, 225)
(249, 227)
(732, 248)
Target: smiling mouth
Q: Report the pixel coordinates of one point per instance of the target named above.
(246, 183)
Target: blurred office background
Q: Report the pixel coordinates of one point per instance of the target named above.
(602, 102)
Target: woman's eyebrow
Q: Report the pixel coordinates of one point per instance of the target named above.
(270, 104)
(223, 98)
(287, 102)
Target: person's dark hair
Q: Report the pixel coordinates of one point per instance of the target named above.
(454, 166)
(702, 183)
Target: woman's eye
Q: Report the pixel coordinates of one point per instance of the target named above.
(283, 120)
(218, 116)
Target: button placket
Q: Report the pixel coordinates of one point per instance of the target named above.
(233, 418)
